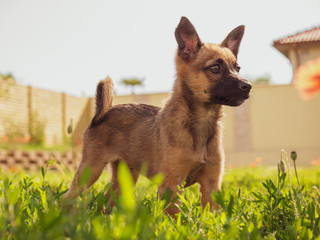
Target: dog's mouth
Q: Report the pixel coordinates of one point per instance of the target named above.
(231, 93)
(230, 101)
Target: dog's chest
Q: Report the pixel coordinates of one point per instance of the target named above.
(204, 132)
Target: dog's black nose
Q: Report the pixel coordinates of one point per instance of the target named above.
(245, 86)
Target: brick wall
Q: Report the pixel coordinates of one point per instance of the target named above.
(16, 159)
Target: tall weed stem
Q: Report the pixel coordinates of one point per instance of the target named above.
(284, 156)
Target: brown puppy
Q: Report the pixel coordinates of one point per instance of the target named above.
(181, 140)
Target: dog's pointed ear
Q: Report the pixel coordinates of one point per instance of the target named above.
(187, 38)
(233, 40)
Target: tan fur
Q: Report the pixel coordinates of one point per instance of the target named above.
(183, 140)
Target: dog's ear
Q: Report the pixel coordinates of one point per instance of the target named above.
(233, 40)
(187, 38)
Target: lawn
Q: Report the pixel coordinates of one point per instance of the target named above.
(256, 203)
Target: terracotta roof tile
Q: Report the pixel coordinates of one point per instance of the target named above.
(311, 35)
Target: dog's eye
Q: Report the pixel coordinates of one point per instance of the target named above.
(237, 68)
(215, 68)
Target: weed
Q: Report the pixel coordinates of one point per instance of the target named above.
(6, 82)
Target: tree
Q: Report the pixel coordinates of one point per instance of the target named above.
(132, 82)
(261, 80)
(6, 81)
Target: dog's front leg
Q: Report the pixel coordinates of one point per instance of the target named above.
(170, 183)
(210, 181)
(115, 187)
(172, 210)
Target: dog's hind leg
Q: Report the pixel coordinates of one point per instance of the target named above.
(114, 179)
(95, 163)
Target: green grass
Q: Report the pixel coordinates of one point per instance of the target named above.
(257, 203)
(35, 147)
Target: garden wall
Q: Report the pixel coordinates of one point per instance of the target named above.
(53, 110)
(274, 118)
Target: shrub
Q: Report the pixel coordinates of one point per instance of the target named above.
(36, 128)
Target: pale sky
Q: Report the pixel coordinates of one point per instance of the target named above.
(68, 46)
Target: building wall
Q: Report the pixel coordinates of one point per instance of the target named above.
(301, 55)
(307, 54)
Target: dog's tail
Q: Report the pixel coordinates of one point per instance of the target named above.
(103, 100)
